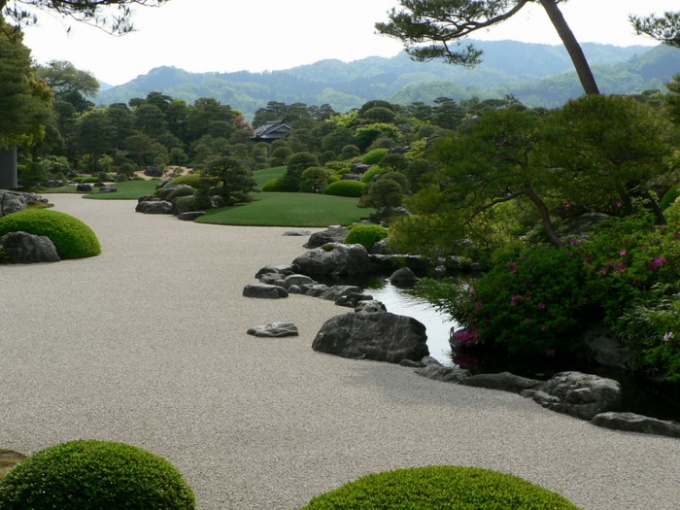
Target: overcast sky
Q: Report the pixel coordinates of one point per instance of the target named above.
(228, 35)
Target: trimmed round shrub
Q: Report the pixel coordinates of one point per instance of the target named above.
(89, 475)
(374, 157)
(346, 188)
(193, 180)
(276, 185)
(366, 235)
(179, 192)
(72, 238)
(440, 488)
(374, 171)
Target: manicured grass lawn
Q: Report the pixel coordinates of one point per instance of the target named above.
(130, 190)
(290, 210)
(263, 176)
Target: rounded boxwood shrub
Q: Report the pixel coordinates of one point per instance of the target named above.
(277, 185)
(193, 180)
(374, 171)
(346, 188)
(374, 157)
(366, 235)
(179, 192)
(440, 488)
(89, 475)
(72, 238)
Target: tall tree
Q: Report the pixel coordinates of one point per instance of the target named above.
(64, 79)
(444, 23)
(114, 16)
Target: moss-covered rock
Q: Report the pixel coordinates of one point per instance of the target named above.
(72, 238)
(89, 474)
(440, 488)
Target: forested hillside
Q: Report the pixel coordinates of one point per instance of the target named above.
(537, 74)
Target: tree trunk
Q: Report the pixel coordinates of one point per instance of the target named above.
(545, 216)
(585, 74)
(8, 168)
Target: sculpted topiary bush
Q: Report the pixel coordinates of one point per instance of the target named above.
(374, 157)
(95, 475)
(366, 235)
(440, 488)
(346, 188)
(72, 238)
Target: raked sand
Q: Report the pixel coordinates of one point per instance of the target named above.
(146, 344)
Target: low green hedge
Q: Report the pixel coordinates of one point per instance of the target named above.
(95, 475)
(72, 238)
(440, 488)
(193, 180)
(346, 188)
(366, 235)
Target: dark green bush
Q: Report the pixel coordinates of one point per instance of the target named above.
(440, 488)
(366, 235)
(346, 188)
(95, 475)
(374, 157)
(71, 237)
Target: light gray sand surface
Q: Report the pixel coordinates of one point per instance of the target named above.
(146, 344)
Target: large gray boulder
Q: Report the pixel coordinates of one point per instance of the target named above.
(632, 422)
(334, 259)
(403, 277)
(380, 336)
(335, 234)
(25, 248)
(154, 207)
(16, 201)
(581, 395)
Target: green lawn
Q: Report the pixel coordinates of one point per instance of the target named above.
(290, 210)
(263, 176)
(130, 190)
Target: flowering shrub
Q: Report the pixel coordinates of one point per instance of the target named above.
(537, 300)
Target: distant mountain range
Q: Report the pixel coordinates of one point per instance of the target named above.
(537, 74)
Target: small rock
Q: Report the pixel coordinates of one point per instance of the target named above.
(631, 422)
(274, 330)
(504, 381)
(296, 233)
(190, 215)
(264, 291)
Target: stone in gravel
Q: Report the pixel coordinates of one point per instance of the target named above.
(379, 336)
(274, 330)
(335, 234)
(261, 290)
(25, 248)
(631, 422)
(154, 207)
(190, 215)
(334, 259)
(296, 233)
(439, 372)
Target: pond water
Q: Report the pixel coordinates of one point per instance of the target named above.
(640, 395)
(400, 302)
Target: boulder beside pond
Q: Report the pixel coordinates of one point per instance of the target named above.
(334, 259)
(380, 336)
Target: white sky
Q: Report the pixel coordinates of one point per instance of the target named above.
(235, 35)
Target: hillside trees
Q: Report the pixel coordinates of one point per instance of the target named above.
(442, 24)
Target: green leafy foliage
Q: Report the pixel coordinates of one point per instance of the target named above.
(536, 300)
(440, 488)
(373, 157)
(72, 238)
(89, 474)
(346, 188)
(373, 172)
(669, 197)
(366, 235)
